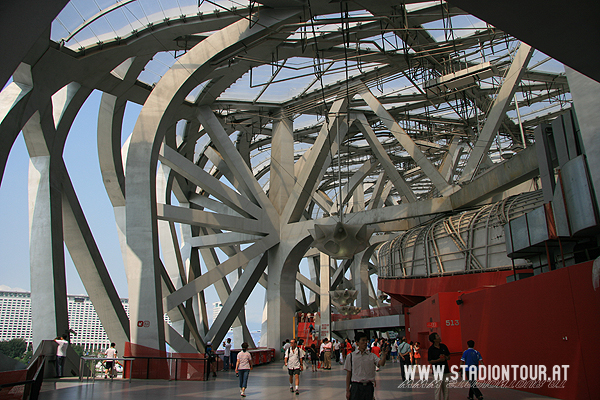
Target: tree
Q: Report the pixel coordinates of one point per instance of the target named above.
(13, 348)
(78, 349)
(26, 357)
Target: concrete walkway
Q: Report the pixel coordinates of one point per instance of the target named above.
(265, 382)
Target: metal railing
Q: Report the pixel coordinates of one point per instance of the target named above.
(173, 367)
(372, 312)
(32, 386)
(85, 362)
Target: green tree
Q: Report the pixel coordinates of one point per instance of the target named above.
(78, 349)
(14, 348)
(26, 357)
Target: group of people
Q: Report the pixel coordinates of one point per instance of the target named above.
(405, 352)
(361, 360)
(321, 357)
(438, 354)
(212, 357)
(360, 365)
(61, 353)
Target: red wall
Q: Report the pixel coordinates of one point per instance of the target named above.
(453, 283)
(440, 309)
(551, 319)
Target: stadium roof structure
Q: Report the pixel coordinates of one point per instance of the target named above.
(259, 120)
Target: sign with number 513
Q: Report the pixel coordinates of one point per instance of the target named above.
(452, 322)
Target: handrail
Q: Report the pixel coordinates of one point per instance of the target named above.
(132, 359)
(5, 385)
(177, 359)
(33, 385)
(83, 361)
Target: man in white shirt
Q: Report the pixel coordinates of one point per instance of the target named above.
(111, 354)
(360, 370)
(336, 350)
(61, 353)
(327, 347)
(227, 354)
(293, 360)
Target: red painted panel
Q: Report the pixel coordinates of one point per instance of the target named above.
(429, 286)
(586, 302)
(439, 314)
(450, 321)
(549, 319)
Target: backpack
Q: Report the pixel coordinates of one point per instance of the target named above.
(287, 352)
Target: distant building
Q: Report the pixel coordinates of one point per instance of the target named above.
(15, 320)
(217, 307)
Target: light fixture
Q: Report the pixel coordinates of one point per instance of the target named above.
(341, 241)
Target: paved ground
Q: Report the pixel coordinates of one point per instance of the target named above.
(265, 382)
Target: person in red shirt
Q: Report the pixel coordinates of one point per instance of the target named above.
(375, 349)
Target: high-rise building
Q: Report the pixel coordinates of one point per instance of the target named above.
(15, 320)
(217, 307)
(15, 316)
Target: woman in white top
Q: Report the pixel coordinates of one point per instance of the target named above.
(243, 367)
(394, 351)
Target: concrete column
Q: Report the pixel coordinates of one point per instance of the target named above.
(281, 298)
(243, 147)
(49, 312)
(325, 303)
(143, 273)
(282, 162)
(358, 199)
(585, 94)
(360, 279)
(314, 277)
(284, 261)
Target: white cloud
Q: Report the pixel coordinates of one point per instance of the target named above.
(5, 288)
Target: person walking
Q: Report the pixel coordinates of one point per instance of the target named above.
(227, 354)
(243, 366)
(212, 359)
(313, 357)
(394, 351)
(385, 345)
(375, 349)
(327, 353)
(61, 353)
(417, 353)
(336, 351)
(109, 364)
(293, 360)
(471, 358)
(360, 370)
(349, 348)
(438, 354)
(404, 356)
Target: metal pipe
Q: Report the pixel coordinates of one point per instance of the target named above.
(520, 123)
